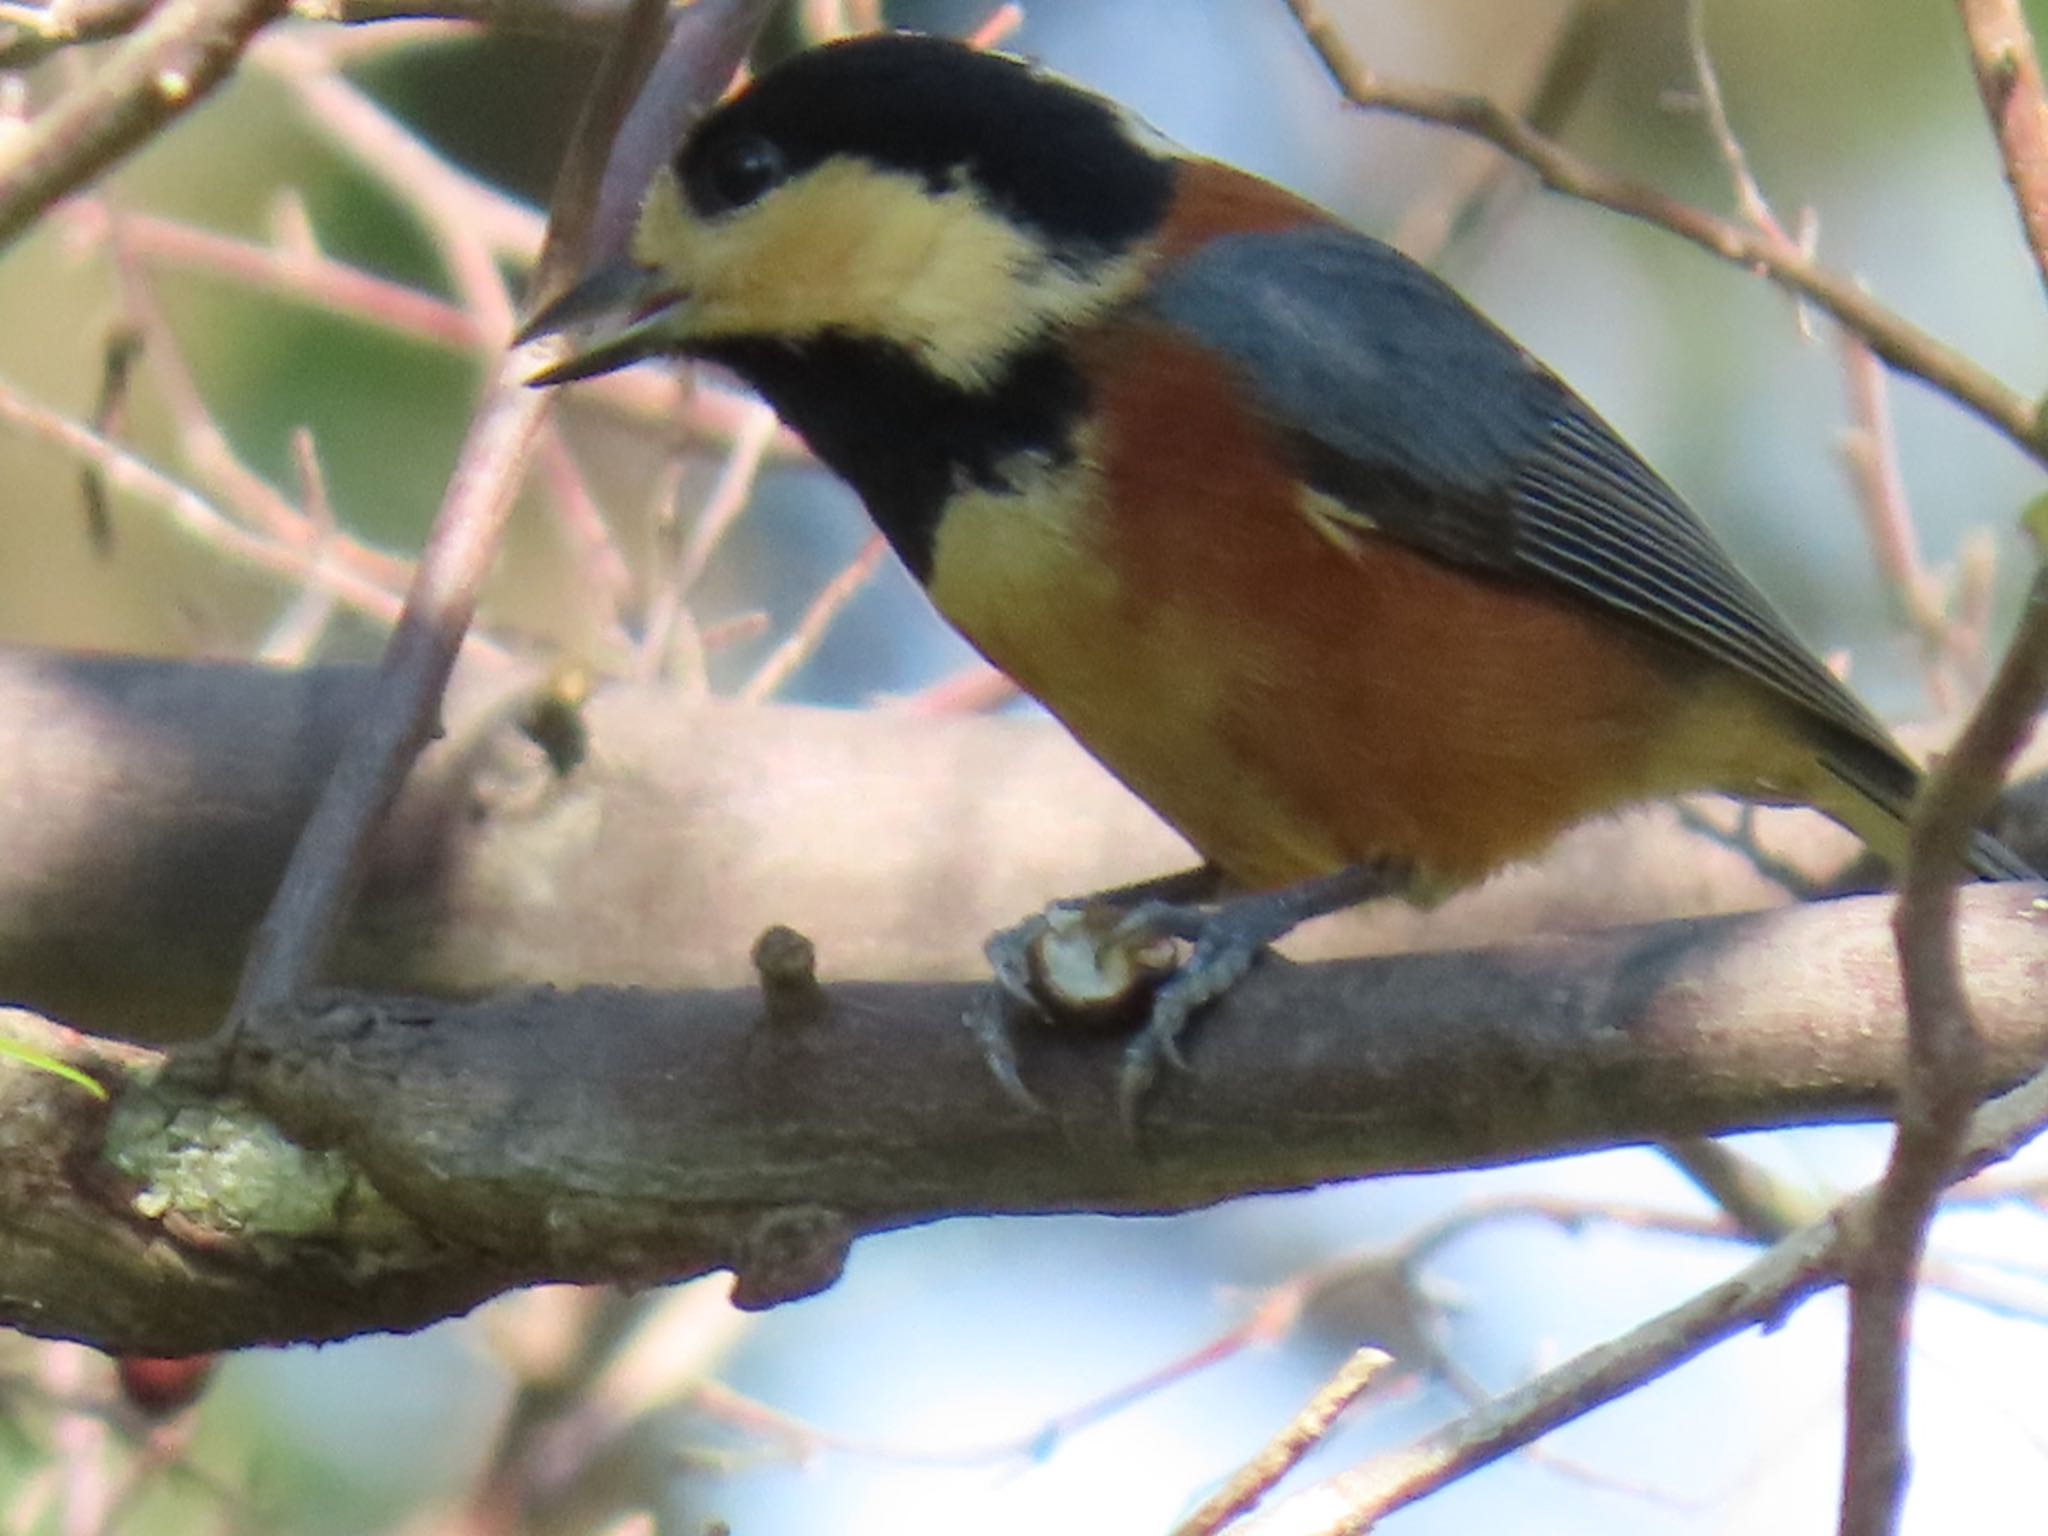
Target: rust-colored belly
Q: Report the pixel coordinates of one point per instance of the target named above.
(1294, 696)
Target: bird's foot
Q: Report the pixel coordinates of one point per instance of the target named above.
(1222, 944)
(1076, 963)
(1095, 964)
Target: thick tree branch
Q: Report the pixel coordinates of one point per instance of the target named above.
(151, 805)
(638, 1136)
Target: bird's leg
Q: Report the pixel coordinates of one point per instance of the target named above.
(1039, 963)
(1225, 940)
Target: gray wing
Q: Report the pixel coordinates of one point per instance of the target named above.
(1401, 401)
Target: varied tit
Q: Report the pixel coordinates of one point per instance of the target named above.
(1352, 590)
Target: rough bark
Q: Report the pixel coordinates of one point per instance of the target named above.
(637, 1136)
(148, 807)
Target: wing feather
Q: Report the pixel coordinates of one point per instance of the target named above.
(1401, 401)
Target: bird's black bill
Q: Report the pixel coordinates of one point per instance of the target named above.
(624, 291)
(613, 289)
(608, 356)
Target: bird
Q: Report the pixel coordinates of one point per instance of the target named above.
(1352, 590)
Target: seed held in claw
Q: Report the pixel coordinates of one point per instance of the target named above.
(1089, 968)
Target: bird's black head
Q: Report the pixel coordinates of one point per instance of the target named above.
(1071, 167)
(890, 238)
(898, 192)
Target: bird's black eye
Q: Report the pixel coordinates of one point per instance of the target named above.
(733, 172)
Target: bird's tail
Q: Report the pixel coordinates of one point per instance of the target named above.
(1880, 786)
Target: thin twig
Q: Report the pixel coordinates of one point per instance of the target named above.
(1271, 1316)
(29, 29)
(1760, 1294)
(569, 249)
(205, 447)
(1869, 449)
(469, 223)
(1973, 594)
(974, 689)
(728, 496)
(123, 350)
(1475, 181)
(669, 645)
(294, 937)
(1750, 201)
(581, 20)
(1901, 344)
(394, 156)
(298, 629)
(595, 550)
(804, 635)
(2009, 79)
(175, 59)
(1749, 194)
(578, 1401)
(347, 48)
(995, 30)
(641, 395)
(421, 178)
(297, 561)
(1870, 453)
(416, 174)
(1764, 1206)
(81, 1442)
(737, 629)
(308, 278)
(1283, 1453)
(208, 452)
(660, 72)
(1944, 1063)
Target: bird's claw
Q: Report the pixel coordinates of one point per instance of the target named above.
(1094, 963)
(988, 1020)
(1070, 964)
(1220, 958)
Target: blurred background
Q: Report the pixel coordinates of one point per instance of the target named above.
(999, 1376)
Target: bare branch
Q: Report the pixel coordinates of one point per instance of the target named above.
(588, 21)
(570, 240)
(175, 59)
(392, 155)
(1943, 1080)
(1870, 452)
(30, 29)
(809, 630)
(1284, 1452)
(1805, 1263)
(658, 75)
(1474, 182)
(466, 1149)
(2009, 79)
(896, 840)
(340, 565)
(1750, 201)
(1901, 344)
(294, 938)
(1759, 1203)
(305, 276)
